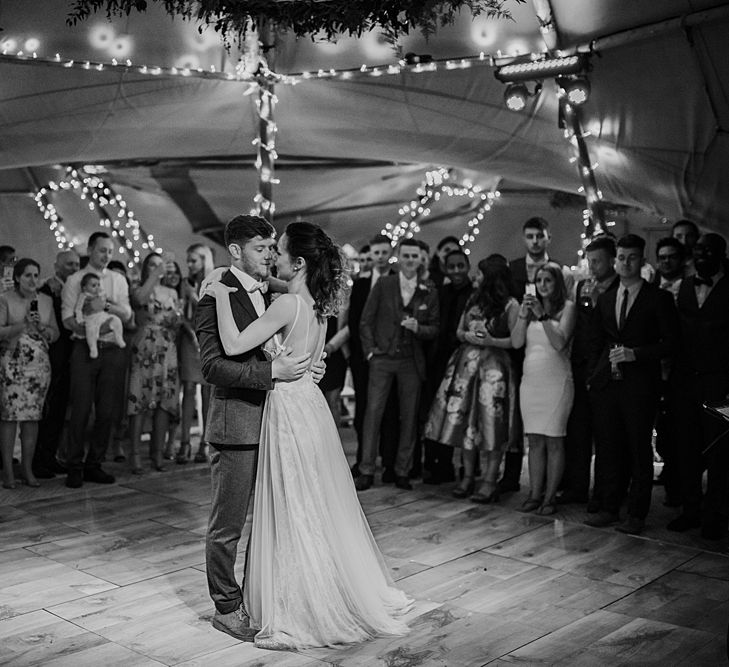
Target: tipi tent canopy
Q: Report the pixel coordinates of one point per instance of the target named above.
(354, 149)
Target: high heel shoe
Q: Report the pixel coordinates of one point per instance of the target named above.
(201, 456)
(547, 508)
(8, 485)
(183, 453)
(30, 481)
(529, 505)
(485, 498)
(463, 491)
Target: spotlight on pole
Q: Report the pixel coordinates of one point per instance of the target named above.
(516, 95)
(576, 89)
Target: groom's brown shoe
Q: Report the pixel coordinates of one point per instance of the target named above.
(237, 624)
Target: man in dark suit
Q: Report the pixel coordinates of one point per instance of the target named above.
(400, 312)
(236, 407)
(634, 327)
(380, 251)
(701, 375)
(600, 255)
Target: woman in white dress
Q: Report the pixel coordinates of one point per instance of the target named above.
(314, 574)
(545, 324)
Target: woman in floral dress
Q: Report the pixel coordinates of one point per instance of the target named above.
(153, 379)
(27, 327)
(475, 404)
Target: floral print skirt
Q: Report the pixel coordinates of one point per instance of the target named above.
(25, 373)
(153, 377)
(476, 401)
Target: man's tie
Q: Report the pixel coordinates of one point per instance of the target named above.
(698, 280)
(623, 310)
(261, 287)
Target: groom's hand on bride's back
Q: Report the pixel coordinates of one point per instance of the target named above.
(287, 368)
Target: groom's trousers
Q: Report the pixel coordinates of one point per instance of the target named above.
(232, 473)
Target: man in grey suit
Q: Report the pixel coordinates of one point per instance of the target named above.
(401, 311)
(236, 409)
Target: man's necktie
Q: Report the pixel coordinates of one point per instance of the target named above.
(261, 287)
(698, 280)
(623, 309)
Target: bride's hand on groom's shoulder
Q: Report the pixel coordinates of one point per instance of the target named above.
(216, 289)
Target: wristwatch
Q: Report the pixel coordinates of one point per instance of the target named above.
(543, 318)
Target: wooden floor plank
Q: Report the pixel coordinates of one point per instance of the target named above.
(115, 575)
(621, 559)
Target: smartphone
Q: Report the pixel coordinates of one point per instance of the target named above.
(8, 272)
(530, 289)
(34, 306)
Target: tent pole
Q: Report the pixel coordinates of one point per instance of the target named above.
(259, 42)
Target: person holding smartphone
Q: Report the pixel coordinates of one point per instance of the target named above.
(27, 327)
(544, 327)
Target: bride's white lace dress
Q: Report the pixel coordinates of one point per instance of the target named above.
(314, 574)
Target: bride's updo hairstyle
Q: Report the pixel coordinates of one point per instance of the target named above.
(326, 266)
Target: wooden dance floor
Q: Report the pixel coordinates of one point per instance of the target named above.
(115, 576)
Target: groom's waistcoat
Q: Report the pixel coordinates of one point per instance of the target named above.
(239, 382)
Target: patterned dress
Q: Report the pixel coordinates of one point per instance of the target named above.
(475, 404)
(25, 368)
(153, 379)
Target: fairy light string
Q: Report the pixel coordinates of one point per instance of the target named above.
(436, 184)
(101, 199)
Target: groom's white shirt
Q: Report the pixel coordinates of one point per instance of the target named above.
(248, 282)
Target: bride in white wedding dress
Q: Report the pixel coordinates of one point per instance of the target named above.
(314, 574)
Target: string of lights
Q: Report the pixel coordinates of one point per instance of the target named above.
(434, 186)
(242, 74)
(100, 197)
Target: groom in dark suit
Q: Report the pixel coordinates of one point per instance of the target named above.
(634, 327)
(236, 407)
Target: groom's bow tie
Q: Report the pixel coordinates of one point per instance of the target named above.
(698, 280)
(260, 287)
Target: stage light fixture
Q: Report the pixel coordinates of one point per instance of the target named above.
(526, 69)
(515, 96)
(576, 89)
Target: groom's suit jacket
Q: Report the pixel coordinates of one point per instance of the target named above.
(240, 382)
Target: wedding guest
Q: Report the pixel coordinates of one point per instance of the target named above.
(475, 404)
(452, 298)
(545, 325)
(7, 260)
(364, 261)
(536, 238)
(380, 251)
(436, 268)
(51, 426)
(27, 327)
(400, 312)
(687, 233)
(332, 383)
(120, 428)
(634, 327)
(153, 378)
(600, 255)
(173, 279)
(199, 265)
(701, 376)
(97, 381)
(670, 254)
